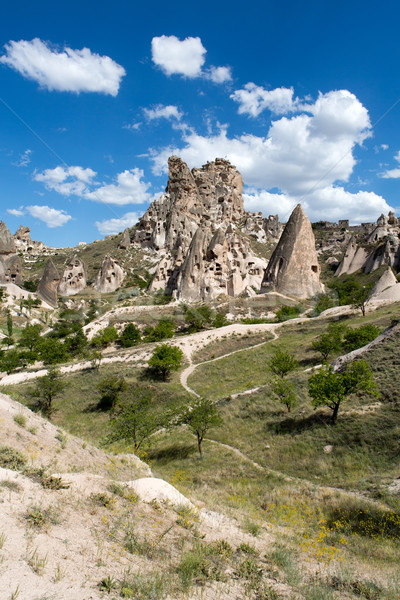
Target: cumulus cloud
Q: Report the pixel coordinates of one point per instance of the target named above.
(128, 189)
(16, 212)
(219, 74)
(392, 173)
(113, 226)
(254, 99)
(66, 71)
(174, 56)
(67, 181)
(186, 57)
(304, 158)
(51, 216)
(161, 111)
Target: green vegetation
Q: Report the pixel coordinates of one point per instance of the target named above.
(46, 389)
(329, 388)
(130, 336)
(165, 359)
(288, 312)
(200, 416)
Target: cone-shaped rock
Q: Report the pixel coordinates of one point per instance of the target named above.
(293, 268)
(10, 264)
(125, 240)
(109, 277)
(48, 285)
(73, 280)
(386, 287)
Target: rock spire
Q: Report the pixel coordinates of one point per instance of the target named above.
(74, 278)
(293, 268)
(48, 285)
(10, 264)
(109, 276)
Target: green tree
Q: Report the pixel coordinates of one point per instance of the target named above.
(30, 336)
(46, 389)
(285, 393)
(164, 329)
(166, 359)
(106, 336)
(110, 389)
(359, 297)
(76, 343)
(199, 317)
(329, 388)
(51, 350)
(135, 420)
(287, 312)
(9, 325)
(9, 361)
(329, 342)
(95, 356)
(282, 363)
(200, 417)
(130, 336)
(359, 337)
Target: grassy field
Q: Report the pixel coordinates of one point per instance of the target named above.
(305, 463)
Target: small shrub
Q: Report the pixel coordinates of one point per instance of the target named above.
(194, 567)
(102, 499)
(20, 419)
(287, 312)
(247, 549)
(107, 584)
(40, 518)
(136, 544)
(249, 569)
(11, 458)
(143, 587)
(62, 438)
(38, 563)
(252, 528)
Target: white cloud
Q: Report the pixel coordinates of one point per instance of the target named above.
(15, 212)
(384, 146)
(174, 56)
(392, 173)
(66, 71)
(219, 74)
(24, 159)
(51, 216)
(253, 99)
(113, 226)
(67, 180)
(301, 159)
(163, 112)
(128, 189)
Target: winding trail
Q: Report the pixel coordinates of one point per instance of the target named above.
(270, 327)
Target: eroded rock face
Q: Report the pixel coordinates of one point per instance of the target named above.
(125, 241)
(10, 264)
(109, 277)
(74, 278)
(293, 268)
(48, 285)
(195, 227)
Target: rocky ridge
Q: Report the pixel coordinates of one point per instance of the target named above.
(10, 264)
(197, 228)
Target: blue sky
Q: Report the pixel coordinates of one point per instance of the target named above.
(94, 97)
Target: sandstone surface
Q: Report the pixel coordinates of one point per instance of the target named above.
(109, 276)
(74, 278)
(48, 285)
(10, 264)
(293, 268)
(196, 229)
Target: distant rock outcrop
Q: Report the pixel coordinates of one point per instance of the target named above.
(109, 277)
(353, 260)
(293, 268)
(386, 288)
(48, 285)
(125, 240)
(23, 242)
(74, 278)
(195, 229)
(10, 264)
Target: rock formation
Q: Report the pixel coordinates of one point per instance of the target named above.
(353, 260)
(73, 280)
(293, 268)
(386, 288)
(48, 285)
(10, 264)
(23, 242)
(263, 229)
(195, 228)
(125, 241)
(109, 277)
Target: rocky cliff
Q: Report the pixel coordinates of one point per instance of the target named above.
(197, 227)
(10, 264)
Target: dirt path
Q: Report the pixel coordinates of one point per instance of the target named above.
(191, 368)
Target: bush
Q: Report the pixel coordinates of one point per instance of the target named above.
(165, 359)
(105, 337)
(287, 312)
(164, 329)
(11, 459)
(359, 337)
(130, 336)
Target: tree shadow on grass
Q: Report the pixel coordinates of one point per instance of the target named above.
(296, 425)
(173, 452)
